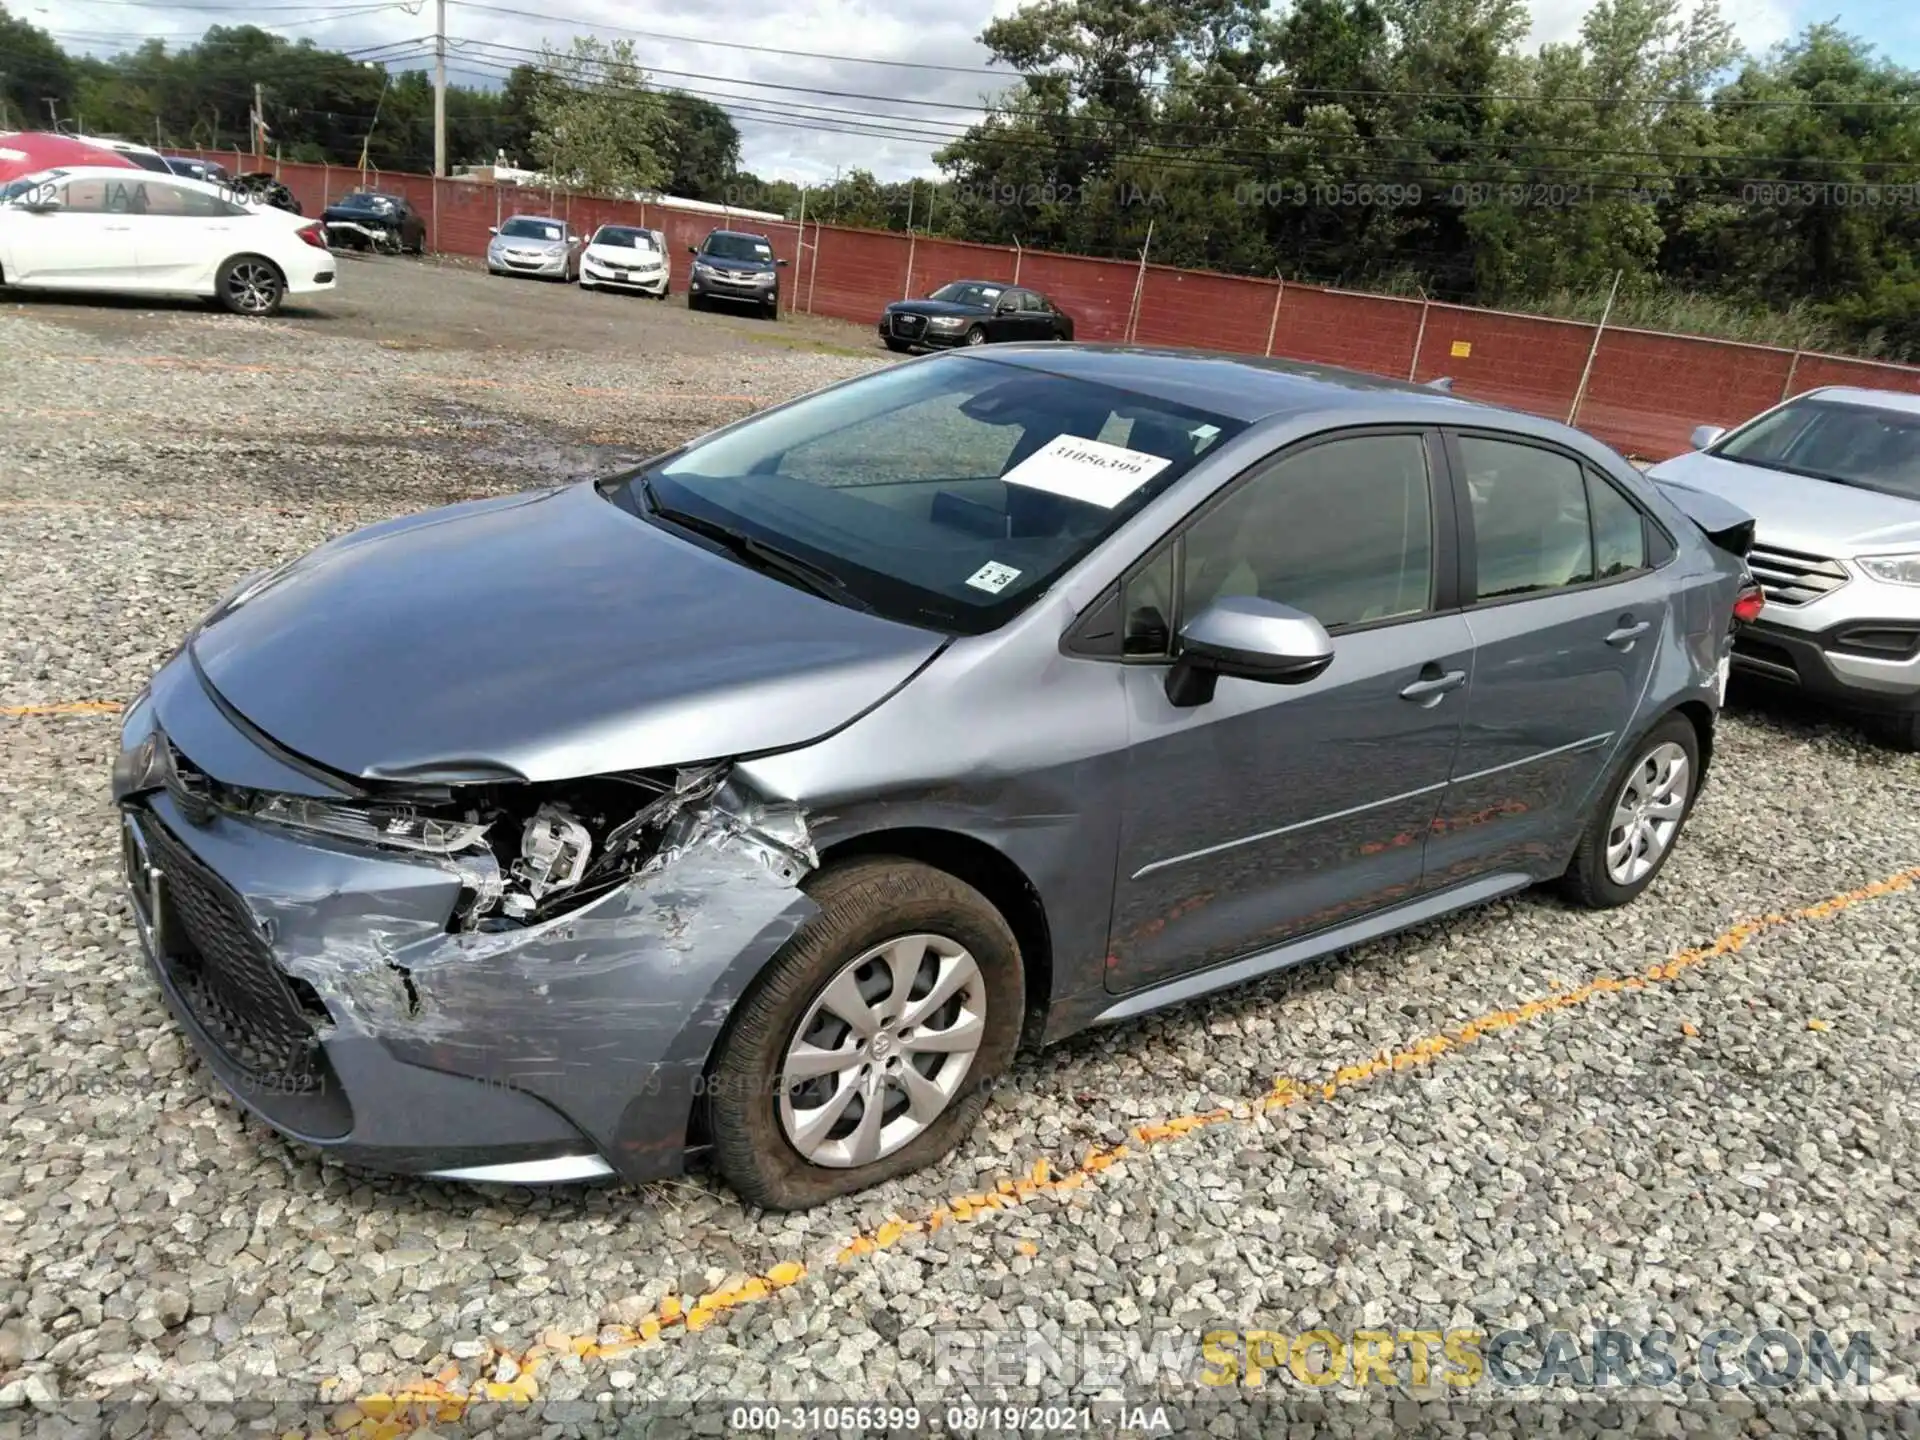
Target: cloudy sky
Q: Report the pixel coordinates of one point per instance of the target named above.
(836, 112)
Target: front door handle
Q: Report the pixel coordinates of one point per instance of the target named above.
(1432, 688)
(1628, 632)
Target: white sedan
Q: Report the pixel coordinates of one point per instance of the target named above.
(626, 257)
(138, 233)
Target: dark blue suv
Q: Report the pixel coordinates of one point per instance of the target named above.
(736, 267)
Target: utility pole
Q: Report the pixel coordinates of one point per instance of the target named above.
(53, 111)
(259, 119)
(439, 87)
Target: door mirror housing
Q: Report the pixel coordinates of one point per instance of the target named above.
(1246, 638)
(780, 262)
(493, 229)
(693, 249)
(1705, 435)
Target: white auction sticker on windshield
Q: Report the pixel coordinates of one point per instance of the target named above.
(1090, 471)
(993, 577)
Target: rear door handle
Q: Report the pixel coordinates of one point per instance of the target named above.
(1623, 638)
(1430, 691)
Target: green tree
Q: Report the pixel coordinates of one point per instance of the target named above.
(596, 124)
(33, 70)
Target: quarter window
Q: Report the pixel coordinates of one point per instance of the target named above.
(1342, 531)
(1530, 524)
(1619, 534)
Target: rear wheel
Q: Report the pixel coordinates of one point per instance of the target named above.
(869, 1046)
(250, 285)
(1645, 805)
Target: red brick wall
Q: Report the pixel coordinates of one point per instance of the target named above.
(1645, 394)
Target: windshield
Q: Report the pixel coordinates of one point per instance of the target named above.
(968, 292)
(365, 201)
(624, 238)
(1863, 445)
(737, 247)
(523, 228)
(947, 493)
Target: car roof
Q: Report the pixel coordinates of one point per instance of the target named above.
(736, 234)
(124, 173)
(529, 215)
(1858, 395)
(1246, 387)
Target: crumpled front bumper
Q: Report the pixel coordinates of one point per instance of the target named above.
(323, 987)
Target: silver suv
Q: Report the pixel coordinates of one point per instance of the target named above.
(1832, 479)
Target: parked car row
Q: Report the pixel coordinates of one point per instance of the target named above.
(732, 267)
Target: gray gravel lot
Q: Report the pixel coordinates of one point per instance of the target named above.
(1729, 1146)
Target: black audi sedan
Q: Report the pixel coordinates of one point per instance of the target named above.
(974, 312)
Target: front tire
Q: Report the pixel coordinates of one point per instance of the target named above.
(977, 335)
(250, 285)
(870, 1045)
(899, 347)
(1644, 807)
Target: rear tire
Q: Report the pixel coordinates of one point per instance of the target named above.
(866, 907)
(250, 285)
(1637, 824)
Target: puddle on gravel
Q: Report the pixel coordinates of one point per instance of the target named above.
(505, 446)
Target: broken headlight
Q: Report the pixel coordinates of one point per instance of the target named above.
(396, 825)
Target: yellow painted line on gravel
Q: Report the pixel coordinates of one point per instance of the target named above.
(439, 1397)
(68, 707)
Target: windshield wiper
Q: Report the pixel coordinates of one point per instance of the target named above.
(770, 559)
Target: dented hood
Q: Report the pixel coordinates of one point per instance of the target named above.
(541, 637)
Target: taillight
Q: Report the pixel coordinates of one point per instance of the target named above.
(1750, 602)
(313, 235)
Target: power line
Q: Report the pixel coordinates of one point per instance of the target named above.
(1276, 86)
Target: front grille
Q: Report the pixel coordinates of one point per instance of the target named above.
(909, 327)
(1793, 577)
(218, 959)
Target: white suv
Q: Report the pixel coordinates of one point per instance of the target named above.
(1832, 479)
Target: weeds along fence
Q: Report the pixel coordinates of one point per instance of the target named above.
(1641, 391)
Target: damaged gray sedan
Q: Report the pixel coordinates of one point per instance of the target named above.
(766, 799)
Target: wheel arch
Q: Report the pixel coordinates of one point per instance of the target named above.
(967, 858)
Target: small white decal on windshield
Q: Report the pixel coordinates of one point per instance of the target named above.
(993, 577)
(1091, 471)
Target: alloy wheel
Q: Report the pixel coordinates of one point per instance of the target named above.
(253, 287)
(1647, 813)
(976, 336)
(882, 1051)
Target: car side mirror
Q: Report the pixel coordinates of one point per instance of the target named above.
(780, 262)
(1705, 435)
(493, 229)
(693, 249)
(1246, 638)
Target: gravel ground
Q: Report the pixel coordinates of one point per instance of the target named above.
(1729, 1144)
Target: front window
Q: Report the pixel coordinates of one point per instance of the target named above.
(523, 227)
(968, 292)
(737, 247)
(1867, 446)
(946, 494)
